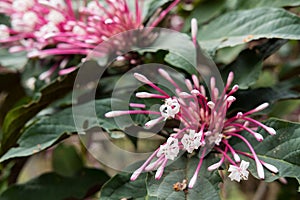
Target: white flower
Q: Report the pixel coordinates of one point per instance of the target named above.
(170, 149)
(92, 6)
(55, 17)
(30, 19)
(191, 141)
(4, 32)
(47, 29)
(57, 3)
(214, 137)
(170, 108)
(22, 5)
(78, 30)
(238, 173)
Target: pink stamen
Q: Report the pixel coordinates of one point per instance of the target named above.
(153, 122)
(257, 136)
(137, 105)
(150, 95)
(270, 130)
(194, 25)
(117, 113)
(140, 170)
(164, 13)
(166, 75)
(195, 176)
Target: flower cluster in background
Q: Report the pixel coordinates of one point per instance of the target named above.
(64, 27)
(204, 125)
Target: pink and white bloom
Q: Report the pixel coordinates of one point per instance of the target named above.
(204, 124)
(67, 27)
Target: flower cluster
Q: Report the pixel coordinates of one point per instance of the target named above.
(62, 27)
(203, 125)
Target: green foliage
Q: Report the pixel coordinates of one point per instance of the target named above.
(54, 186)
(241, 4)
(16, 119)
(13, 61)
(248, 65)
(204, 12)
(249, 99)
(47, 130)
(248, 25)
(66, 161)
(120, 186)
(206, 187)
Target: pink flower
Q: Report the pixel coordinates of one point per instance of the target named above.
(203, 125)
(45, 28)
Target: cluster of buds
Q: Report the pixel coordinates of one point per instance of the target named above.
(45, 28)
(204, 126)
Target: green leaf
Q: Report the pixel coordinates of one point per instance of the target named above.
(280, 150)
(16, 119)
(180, 63)
(249, 99)
(66, 161)
(228, 54)
(48, 130)
(54, 186)
(120, 187)
(266, 3)
(181, 50)
(11, 91)
(249, 25)
(13, 61)
(206, 187)
(248, 65)
(204, 11)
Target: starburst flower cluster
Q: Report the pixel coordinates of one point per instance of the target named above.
(204, 126)
(65, 27)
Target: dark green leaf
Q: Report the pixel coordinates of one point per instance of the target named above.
(249, 25)
(206, 186)
(181, 50)
(228, 54)
(66, 161)
(266, 3)
(120, 187)
(47, 130)
(180, 63)
(248, 65)
(249, 99)
(16, 119)
(52, 186)
(11, 91)
(204, 11)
